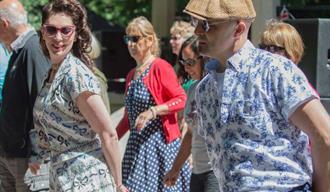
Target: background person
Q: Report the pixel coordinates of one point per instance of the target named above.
(181, 31)
(202, 178)
(256, 109)
(71, 119)
(4, 58)
(26, 70)
(94, 54)
(283, 39)
(153, 96)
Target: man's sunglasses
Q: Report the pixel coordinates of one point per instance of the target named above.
(190, 62)
(65, 31)
(271, 48)
(205, 24)
(132, 38)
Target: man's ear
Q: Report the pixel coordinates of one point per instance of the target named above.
(4, 22)
(240, 29)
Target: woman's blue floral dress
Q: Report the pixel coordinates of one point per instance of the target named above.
(77, 161)
(148, 157)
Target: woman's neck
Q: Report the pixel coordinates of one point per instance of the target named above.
(145, 61)
(56, 61)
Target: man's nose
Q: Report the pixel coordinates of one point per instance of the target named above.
(199, 29)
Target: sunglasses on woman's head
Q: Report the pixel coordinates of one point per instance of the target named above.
(132, 38)
(52, 30)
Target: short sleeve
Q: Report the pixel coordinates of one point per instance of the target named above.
(82, 79)
(199, 111)
(291, 87)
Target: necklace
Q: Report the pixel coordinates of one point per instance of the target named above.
(55, 67)
(139, 69)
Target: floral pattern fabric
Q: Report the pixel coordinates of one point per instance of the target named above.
(251, 143)
(77, 161)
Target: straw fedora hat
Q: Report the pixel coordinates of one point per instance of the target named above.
(221, 9)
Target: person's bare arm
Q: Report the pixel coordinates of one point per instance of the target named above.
(148, 115)
(95, 112)
(184, 152)
(313, 119)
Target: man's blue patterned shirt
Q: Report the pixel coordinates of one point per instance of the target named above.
(251, 142)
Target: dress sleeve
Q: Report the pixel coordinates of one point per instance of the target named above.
(291, 87)
(81, 79)
(199, 111)
(172, 88)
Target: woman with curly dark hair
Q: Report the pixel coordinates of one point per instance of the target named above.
(72, 122)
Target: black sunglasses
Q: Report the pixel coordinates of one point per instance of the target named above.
(190, 62)
(132, 38)
(65, 31)
(271, 48)
(205, 24)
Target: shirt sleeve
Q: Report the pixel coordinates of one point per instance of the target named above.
(291, 87)
(82, 79)
(37, 66)
(199, 111)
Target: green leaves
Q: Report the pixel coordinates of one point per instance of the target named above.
(115, 11)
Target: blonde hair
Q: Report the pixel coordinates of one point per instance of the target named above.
(184, 29)
(95, 48)
(143, 26)
(284, 35)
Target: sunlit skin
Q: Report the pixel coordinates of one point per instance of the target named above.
(218, 42)
(195, 71)
(59, 46)
(141, 49)
(176, 42)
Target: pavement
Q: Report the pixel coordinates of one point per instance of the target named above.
(115, 118)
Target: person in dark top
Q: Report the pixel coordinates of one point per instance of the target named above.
(26, 71)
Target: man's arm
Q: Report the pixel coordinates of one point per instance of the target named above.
(312, 118)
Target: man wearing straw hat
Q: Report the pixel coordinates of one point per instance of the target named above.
(257, 111)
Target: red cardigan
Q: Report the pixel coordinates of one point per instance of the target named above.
(165, 88)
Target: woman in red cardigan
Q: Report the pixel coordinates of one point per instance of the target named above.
(153, 96)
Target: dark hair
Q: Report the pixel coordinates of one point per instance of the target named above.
(193, 43)
(73, 8)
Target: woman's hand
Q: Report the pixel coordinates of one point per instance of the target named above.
(142, 119)
(171, 176)
(121, 188)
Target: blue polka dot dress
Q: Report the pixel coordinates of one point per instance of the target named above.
(148, 157)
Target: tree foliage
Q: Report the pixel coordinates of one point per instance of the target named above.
(116, 11)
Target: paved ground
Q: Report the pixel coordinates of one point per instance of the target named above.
(115, 117)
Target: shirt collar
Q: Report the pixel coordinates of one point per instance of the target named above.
(237, 60)
(21, 39)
